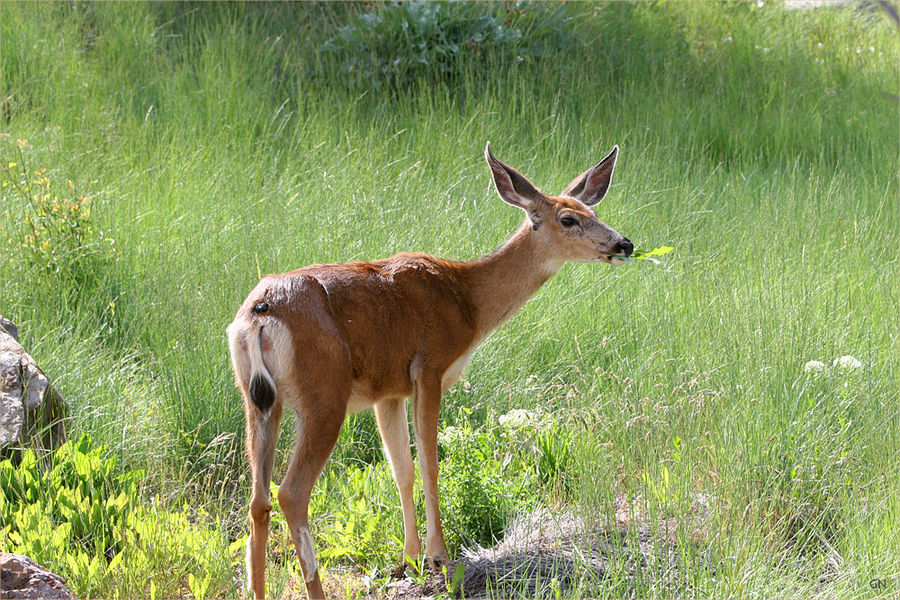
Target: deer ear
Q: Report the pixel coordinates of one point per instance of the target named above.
(512, 186)
(592, 185)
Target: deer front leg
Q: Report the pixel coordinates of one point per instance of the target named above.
(394, 428)
(426, 408)
(262, 434)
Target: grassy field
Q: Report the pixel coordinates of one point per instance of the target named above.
(160, 156)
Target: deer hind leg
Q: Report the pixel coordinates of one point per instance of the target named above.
(394, 428)
(262, 434)
(318, 425)
(426, 408)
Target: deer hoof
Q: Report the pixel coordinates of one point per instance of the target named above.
(436, 563)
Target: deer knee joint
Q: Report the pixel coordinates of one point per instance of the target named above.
(285, 498)
(259, 512)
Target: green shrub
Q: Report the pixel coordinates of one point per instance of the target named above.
(50, 231)
(72, 512)
(488, 475)
(396, 44)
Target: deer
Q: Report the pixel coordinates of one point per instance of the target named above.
(330, 339)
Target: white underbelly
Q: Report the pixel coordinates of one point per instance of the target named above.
(360, 398)
(455, 370)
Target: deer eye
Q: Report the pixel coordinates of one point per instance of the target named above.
(568, 222)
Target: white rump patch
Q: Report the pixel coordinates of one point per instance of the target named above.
(237, 343)
(279, 358)
(272, 356)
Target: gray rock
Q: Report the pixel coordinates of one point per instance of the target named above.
(21, 577)
(31, 410)
(9, 327)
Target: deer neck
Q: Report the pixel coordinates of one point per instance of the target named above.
(503, 281)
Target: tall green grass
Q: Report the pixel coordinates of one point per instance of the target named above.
(221, 142)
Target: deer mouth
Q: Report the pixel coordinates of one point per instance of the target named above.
(615, 259)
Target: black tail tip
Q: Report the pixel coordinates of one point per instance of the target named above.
(262, 393)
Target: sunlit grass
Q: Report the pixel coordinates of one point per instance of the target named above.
(755, 141)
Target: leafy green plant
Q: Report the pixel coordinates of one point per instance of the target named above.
(72, 511)
(79, 490)
(359, 505)
(198, 586)
(454, 582)
(648, 255)
(651, 254)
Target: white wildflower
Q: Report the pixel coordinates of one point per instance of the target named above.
(847, 362)
(814, 366)
(450, 435)
(517, 418)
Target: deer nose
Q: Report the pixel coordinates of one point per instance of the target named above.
(625, 247)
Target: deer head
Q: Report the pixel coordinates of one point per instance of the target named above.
(565, 226)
